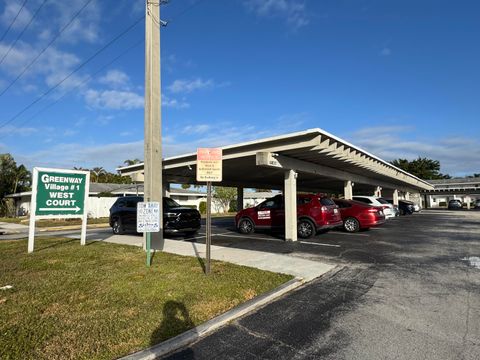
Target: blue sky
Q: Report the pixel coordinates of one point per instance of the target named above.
(397, 78)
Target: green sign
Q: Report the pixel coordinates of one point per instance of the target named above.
(60, 193)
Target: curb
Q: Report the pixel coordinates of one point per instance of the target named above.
(209, 326)
(71, 227)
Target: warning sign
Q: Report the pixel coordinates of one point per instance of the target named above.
(209, 164)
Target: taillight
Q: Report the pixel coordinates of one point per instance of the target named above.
(324, 208)
(385, 206)
(372, 210)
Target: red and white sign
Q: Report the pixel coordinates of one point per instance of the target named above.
(209, 164)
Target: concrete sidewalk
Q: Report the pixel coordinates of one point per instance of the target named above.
(301, 268)
(12, 228)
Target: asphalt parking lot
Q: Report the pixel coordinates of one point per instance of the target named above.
(408, 290)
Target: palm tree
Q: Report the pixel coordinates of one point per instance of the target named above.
(129, 162)
(96, 172)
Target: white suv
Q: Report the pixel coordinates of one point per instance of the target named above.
(378, 202)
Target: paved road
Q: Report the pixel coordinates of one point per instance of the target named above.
(408, 290)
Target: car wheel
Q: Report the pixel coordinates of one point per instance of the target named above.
(305, 229)
(402, 212)
(245, 226)
(351, 225)
(117, 227)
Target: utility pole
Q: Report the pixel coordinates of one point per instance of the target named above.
(153, 117)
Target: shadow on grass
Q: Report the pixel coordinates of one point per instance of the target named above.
(58, 243)
(176, 320)
(199, 258)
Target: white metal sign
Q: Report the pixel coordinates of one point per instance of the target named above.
(264, 214)
(209, 164)
(148, 216)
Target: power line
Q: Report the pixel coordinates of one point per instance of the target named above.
(13, 21)
(23, 31)
(45, 48)
(81, 66)
(81, 84)
(72, 72)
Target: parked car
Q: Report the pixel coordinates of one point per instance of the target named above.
(455, 204)
(405, 207)
(416, 207)
(477, 204)
(314, 212)
(357, 215)
(378, 202)
(176, 219)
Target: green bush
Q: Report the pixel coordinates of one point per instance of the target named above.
(203, 207)
(232, 206)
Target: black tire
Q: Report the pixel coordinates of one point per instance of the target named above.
(245, 226)
(351, 225)
(190, 233)
(117, 227)
(305, 229)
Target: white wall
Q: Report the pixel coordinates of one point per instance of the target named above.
(99, 206)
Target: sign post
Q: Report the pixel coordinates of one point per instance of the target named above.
(148, 221)
(209, 169)
(58, 193)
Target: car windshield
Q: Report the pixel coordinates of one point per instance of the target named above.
(169, 203)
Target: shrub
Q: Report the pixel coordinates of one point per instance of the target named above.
(232, 206)
(203, 207)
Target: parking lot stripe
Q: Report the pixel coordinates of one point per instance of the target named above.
(319, 244)
(248, 237)
(349, 234)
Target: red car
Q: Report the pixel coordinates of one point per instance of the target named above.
(314, 212)
(358, 215)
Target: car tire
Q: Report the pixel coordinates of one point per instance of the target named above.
(117, 227)
(351, 225)
(305, 229)
(190, 233)
(245, 226)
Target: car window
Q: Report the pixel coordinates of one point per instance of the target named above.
(132, 203)
(303, 200)
(364, 200)
(342, 204)
(170, 203)
(382, 201)
(326, 201)
(121, 203)
(273, 203)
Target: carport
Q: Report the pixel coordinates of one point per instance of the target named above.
(311, 161)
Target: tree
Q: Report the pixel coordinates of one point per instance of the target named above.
(185, 186)
(423, 168)
(96, 172)
(12, 179)
(224, 195)
(129, 162)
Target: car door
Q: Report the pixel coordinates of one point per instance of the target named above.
(268, 213)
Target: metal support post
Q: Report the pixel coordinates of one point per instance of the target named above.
(208, 227)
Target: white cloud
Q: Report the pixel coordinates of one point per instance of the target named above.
(11, 10)
(14, 130)
(457, 155)
(115, 79)
(174, 103)
(196, 129)
(113, 99)
(187, 86)
(85, 27)
(292, 12)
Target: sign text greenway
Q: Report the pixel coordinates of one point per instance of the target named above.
(60, 193)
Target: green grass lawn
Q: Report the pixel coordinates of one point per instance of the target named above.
(100, 301)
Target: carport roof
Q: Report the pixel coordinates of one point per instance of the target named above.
(322, 160)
